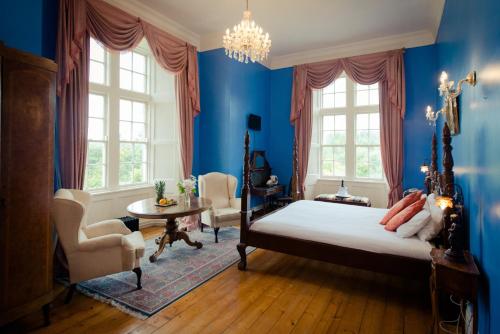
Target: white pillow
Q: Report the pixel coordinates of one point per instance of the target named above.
(436, 212)
(415, 224)
(434, 226)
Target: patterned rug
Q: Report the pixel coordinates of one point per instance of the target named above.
(177, 271)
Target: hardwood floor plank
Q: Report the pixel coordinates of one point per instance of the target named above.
(277, 294)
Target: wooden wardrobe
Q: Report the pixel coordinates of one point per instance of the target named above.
(28, 97)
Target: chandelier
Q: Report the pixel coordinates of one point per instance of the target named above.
(246, 41)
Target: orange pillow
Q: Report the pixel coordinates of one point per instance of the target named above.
(405, 215)
(401, 205)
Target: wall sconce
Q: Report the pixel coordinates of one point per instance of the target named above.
(432, 116)
(450, 95)
(424, 168)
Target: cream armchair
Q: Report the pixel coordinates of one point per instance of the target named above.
(225, 211)
(94, 250)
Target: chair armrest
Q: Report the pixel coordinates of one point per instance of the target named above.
(97, 243)
(236, 203)
(111, 226)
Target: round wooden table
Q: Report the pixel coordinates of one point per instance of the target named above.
(148, 209)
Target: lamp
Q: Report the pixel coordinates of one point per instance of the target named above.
(446, 86)
(432, 116)
(424, 168)
(452, 207)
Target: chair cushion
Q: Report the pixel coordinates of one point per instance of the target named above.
(226, 214)
(136, 241)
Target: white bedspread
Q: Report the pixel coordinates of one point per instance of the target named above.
(342, 225)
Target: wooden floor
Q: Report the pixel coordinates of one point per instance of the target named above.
(277, 294)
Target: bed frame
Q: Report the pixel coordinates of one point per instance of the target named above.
(385, 263)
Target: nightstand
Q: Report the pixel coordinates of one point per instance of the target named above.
(458, 279)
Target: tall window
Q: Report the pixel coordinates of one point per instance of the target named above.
(128, 92)
(346, 131)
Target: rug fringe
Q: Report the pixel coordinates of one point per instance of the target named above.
(109, 301)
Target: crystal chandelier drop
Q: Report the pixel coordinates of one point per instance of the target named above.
(246, 41)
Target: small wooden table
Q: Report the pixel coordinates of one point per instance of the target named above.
(459, 279)
(148, 209)
(266, 192)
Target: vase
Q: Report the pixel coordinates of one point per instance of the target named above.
(187, 199)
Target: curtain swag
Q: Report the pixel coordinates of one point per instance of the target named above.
(386, 68)
(119, 31)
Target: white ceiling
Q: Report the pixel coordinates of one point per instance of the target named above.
(297, 27)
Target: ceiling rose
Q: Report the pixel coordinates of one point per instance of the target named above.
(246, 41)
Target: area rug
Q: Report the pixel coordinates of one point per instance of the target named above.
(178, 270)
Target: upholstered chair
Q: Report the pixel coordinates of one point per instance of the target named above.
(94, 250)
(220, 189)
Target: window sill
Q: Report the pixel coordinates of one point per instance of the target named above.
(100, 192)
(361, 181)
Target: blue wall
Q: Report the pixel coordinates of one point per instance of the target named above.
(469, 39)
(421, 79)
(29, 25)
(230, 91)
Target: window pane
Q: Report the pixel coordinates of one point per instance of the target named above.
(327, 168)
(125, 173)
(374, 86)
(362, 137)
(125, 130)
(340, 85)
(339, 137)
(374, 97)
(139, 112)
(328, 137)
(328, 101)
(96, 72)
(96, 51)
(96, 106)
(362, 98)
(339, 161)
(375, 121)
(330, 89)
(362, 168)
(327, 153)
(138, 131)
(139, 63)
(360, 87)
(126, 60)
(125, 110)
(375, 163)
(139, 173)
(340, 100)
(94, 177)
(328, 122)
(140, 153)
(374, 137)
(340, 122)
(96, 129)
(126, 152)
(362, 121)
(125, 79)
(95, 153)
(139, 83)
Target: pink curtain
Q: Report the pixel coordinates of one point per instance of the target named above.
(119, 31)
(386, 68)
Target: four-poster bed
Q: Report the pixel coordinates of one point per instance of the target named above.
(337, 243)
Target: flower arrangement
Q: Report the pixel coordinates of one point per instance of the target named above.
(159, 190)
(187, 186)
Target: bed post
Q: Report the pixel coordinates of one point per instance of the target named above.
(447, 181)
(246, 210)
(295, 174)
(433, 169)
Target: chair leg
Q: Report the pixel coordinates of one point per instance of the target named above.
(46, 314)
(69, 296)
(138, 272)
(241, 247)
(201, 227)
(216, 231)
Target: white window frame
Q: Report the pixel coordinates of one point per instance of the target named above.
(113, 93)
(350, 111)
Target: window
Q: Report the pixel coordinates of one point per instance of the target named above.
(127, 93)
(346, 131)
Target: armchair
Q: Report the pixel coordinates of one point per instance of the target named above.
(95, 250)
(225, 211)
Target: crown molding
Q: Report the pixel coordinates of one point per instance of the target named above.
(408, 40)
(143, 11)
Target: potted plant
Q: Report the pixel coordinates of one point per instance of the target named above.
(186, 188)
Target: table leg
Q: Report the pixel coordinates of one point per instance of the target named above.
(163, 241)
(435, 306)
(185, 237)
